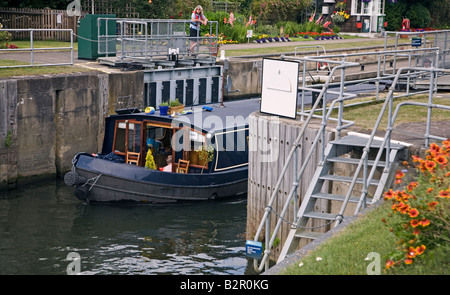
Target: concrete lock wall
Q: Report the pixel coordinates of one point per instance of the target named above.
(46, 120)
(270, 141)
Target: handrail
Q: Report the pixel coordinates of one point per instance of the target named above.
(150, 38)
(266, 217)
(32, 49)
(390, 125)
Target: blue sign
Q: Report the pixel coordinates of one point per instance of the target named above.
(416, 41)
(253, 249)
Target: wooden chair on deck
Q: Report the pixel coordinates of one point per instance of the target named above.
(182, 166)
(132, 158)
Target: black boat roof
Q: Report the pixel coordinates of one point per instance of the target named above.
(217, 118)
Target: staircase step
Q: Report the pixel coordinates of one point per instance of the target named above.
(353, 140)
(320, 215)
(334, 197)
(308, 234)
(354, 161)
(347, 179)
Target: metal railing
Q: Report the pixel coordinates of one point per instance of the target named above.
(32, 50)
(147, 39)
(438, 38)
(326, 117)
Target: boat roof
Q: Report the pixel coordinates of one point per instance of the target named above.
(217, 118)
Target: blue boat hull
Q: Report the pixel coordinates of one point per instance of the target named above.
(106, 181)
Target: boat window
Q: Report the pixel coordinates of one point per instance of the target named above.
(120, 135)
(134, 137)
(127, 137)
(197, 144)
(158, 140)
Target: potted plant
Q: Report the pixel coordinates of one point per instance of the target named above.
(149, 160)
(175, 106)
(205, 155)
(163, 108)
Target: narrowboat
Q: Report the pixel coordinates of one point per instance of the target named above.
(198, 154)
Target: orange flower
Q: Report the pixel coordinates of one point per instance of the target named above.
(408, 261)
(430, 165)
(446, 143)
(417, 159)
(444, 194)
(405, 197)
(411, 253)
(389, 194)
(415, 223)
(429, 190)
(434, 148)
(432, 205)
(399, 174)
(389, 264)
(440, 159)
(420, 249)
(412, 185)
(447, 174)
(413, 212)
(424, 222)
(416, 231)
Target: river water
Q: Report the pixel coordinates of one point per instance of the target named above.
(41, 224)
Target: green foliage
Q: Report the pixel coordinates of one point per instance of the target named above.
(174, 103)
(419, 16)
(8, 139)
(420, 217)
(205, 155)
(164, 104)
(237, 31)
(149, 160)
(278, 10)
(5, 37)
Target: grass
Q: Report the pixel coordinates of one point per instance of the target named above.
(366, 115)
(28, 71)
(43, 44)
(345, 254)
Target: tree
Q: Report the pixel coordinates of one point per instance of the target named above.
(54, 4)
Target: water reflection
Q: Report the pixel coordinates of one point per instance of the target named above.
(43, 223)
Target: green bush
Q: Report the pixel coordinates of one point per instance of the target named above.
(419, 16)
(273, 11)
(5, 37)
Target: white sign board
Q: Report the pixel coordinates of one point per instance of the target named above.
(279, 87)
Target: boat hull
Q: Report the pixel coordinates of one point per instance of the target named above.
(105, 181)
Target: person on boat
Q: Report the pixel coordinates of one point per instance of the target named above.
(197, 18)
(168, 168)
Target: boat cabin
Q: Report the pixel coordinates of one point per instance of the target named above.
(195, 141)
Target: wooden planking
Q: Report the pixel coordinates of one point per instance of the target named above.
(278, 133)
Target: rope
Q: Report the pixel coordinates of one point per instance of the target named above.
(305, 227)
(78, 36)
(95, 179)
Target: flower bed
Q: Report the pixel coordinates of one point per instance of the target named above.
(268, 39)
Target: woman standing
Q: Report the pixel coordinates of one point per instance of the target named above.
(197, 18)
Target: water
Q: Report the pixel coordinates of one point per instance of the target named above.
(41, 224)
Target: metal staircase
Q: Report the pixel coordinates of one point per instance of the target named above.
(363, 152)
(338, 152)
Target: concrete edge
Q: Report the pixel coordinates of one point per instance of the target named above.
(295, 257)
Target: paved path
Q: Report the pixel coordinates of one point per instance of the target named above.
(296, 43)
